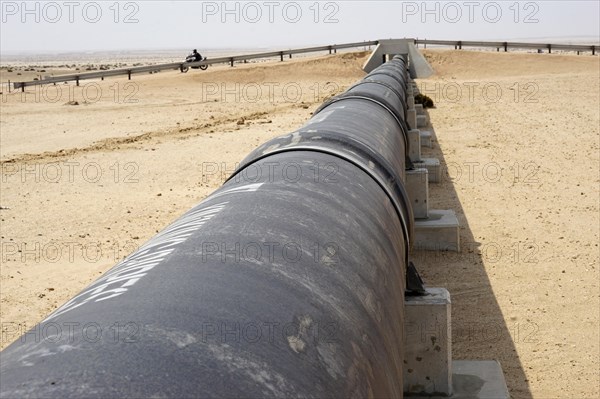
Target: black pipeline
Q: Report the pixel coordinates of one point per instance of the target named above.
(289, 280)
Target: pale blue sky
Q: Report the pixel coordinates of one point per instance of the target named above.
(86, 25)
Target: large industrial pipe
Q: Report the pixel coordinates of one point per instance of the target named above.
(287, 281)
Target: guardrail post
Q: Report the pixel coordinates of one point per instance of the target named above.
(290, 56)
(231, 61)
(129, 74)
(505, 47)
(281, 56)
(329, 49)
(22, 87)
(77, 80)
(460, 45)
(593, 50)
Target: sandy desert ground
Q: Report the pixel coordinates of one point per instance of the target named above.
(83, 185)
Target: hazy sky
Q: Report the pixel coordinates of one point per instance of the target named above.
(110, 25)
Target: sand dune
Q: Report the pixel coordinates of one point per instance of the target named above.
(475, 64)
(86, 184)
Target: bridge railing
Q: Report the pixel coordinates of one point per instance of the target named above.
(514, 45)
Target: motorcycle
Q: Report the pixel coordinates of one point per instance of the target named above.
(191, 58)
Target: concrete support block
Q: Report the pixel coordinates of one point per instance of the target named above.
(411, 118)
(414, 145)
(433, 167)
(426, 140)
(428, 346)
(417, 187)
(439, 232)
(420, 109)
(410, 100)
(475, 379)
(422, 121)
(478, 379)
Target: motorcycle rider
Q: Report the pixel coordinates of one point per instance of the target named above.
(196, 55)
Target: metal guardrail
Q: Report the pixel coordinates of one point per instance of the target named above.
(180, 65)
(459, 44)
